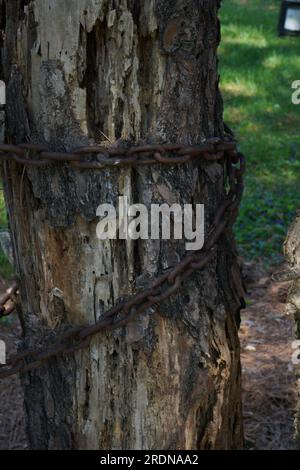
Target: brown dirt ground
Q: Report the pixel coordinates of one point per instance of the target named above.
(269, 377)
(269, 383)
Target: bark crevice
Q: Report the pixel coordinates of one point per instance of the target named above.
(134, 71)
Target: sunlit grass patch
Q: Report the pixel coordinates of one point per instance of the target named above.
(239, 88)
(257, 69)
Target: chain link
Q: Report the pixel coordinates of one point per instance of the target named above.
(99, 157)
(169, 282)
(287, 275)
(7, 302)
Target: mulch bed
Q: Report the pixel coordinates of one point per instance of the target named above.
(269, 377)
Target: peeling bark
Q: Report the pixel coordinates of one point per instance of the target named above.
(131, 71)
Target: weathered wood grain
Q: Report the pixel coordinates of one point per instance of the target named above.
(134, 71)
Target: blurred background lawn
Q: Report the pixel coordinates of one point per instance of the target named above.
(257, 69)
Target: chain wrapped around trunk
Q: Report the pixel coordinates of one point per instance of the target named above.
(169, 282)
(99, 157)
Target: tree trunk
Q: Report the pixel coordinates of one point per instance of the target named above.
(78, 73)
(292, 253)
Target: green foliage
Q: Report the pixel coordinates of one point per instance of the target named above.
(3, 216)
(6, 269)
(257, 69)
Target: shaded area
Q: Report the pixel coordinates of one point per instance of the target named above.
(12, 413)
(269, 377)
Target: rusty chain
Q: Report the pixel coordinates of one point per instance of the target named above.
(169, 282)
(7, 302)
(99, 157)
(287, 275)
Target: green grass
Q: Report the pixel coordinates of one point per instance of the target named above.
(3, 216)
(6, 269)
(257, 69)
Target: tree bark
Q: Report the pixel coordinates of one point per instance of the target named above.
(134, 71)
(292, 254)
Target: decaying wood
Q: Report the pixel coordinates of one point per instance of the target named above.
(292, 253)
(95, 70)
